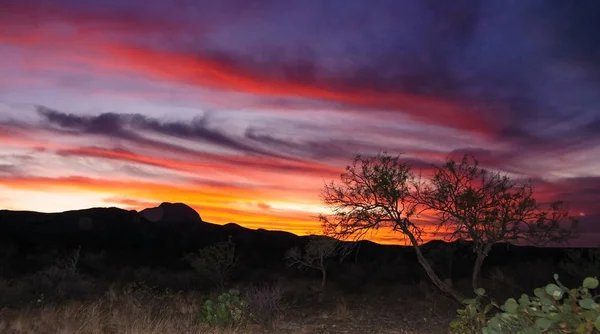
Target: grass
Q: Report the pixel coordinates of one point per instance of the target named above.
(50, 301)
(114, 313)
(132, 311)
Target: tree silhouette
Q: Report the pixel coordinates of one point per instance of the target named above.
(375, 192)
(488, 207)
(315, 255)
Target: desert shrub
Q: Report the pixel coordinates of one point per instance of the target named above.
(264, 304)
(316, 254)
(473, 318)
(94, 262)
(229, 309)
(554, 308)
(57, 279)
(68, 263)
(215, 263)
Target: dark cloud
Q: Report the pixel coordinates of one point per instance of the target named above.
(576, 24)
(8, 169)
(129, 126)
(254, 141)
(312, 149)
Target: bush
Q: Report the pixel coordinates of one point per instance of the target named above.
(264, 304)
(215, 263)
(227, 310)
(68, 263)
(553, 309)
(473, 318)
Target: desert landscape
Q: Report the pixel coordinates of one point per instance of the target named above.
(108, 270)
(299, 166)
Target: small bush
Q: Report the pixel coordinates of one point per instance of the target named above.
(215, 263)
(68, 263)
(264, 304)
(229, 309)
(473, 318)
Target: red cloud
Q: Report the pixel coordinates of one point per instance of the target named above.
(206, 72)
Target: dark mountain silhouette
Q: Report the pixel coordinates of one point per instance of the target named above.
(161, 236)
(171, 213)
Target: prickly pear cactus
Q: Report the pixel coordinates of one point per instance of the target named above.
(228, 309)
(553, 309)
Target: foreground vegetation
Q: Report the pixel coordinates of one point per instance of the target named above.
(63, 298)
(139, 308)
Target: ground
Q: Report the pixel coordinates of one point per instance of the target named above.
(390, 309)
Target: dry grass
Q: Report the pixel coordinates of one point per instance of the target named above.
(136, 308)
(124, 313)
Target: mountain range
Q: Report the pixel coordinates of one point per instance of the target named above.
(161, 236)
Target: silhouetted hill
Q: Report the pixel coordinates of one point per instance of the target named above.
(130, 238)
(159, 237)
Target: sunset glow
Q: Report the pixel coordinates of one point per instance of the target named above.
(244, 114)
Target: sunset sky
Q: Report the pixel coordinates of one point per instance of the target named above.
(243, 109)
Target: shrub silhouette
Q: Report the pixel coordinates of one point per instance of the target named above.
(264, 304)
(315, 255)
(216, 262)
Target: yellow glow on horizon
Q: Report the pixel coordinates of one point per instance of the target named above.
(50, 201)
(220, 206)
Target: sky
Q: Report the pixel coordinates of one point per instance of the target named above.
(243, 109)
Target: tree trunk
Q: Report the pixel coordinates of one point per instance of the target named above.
(431, 273)
(322, 289)
(475, 275)
(323, 278)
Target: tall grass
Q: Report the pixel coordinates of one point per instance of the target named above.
(117, 312)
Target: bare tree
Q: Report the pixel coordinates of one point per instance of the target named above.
(315, 255)
(488, 207)
(375, 192)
